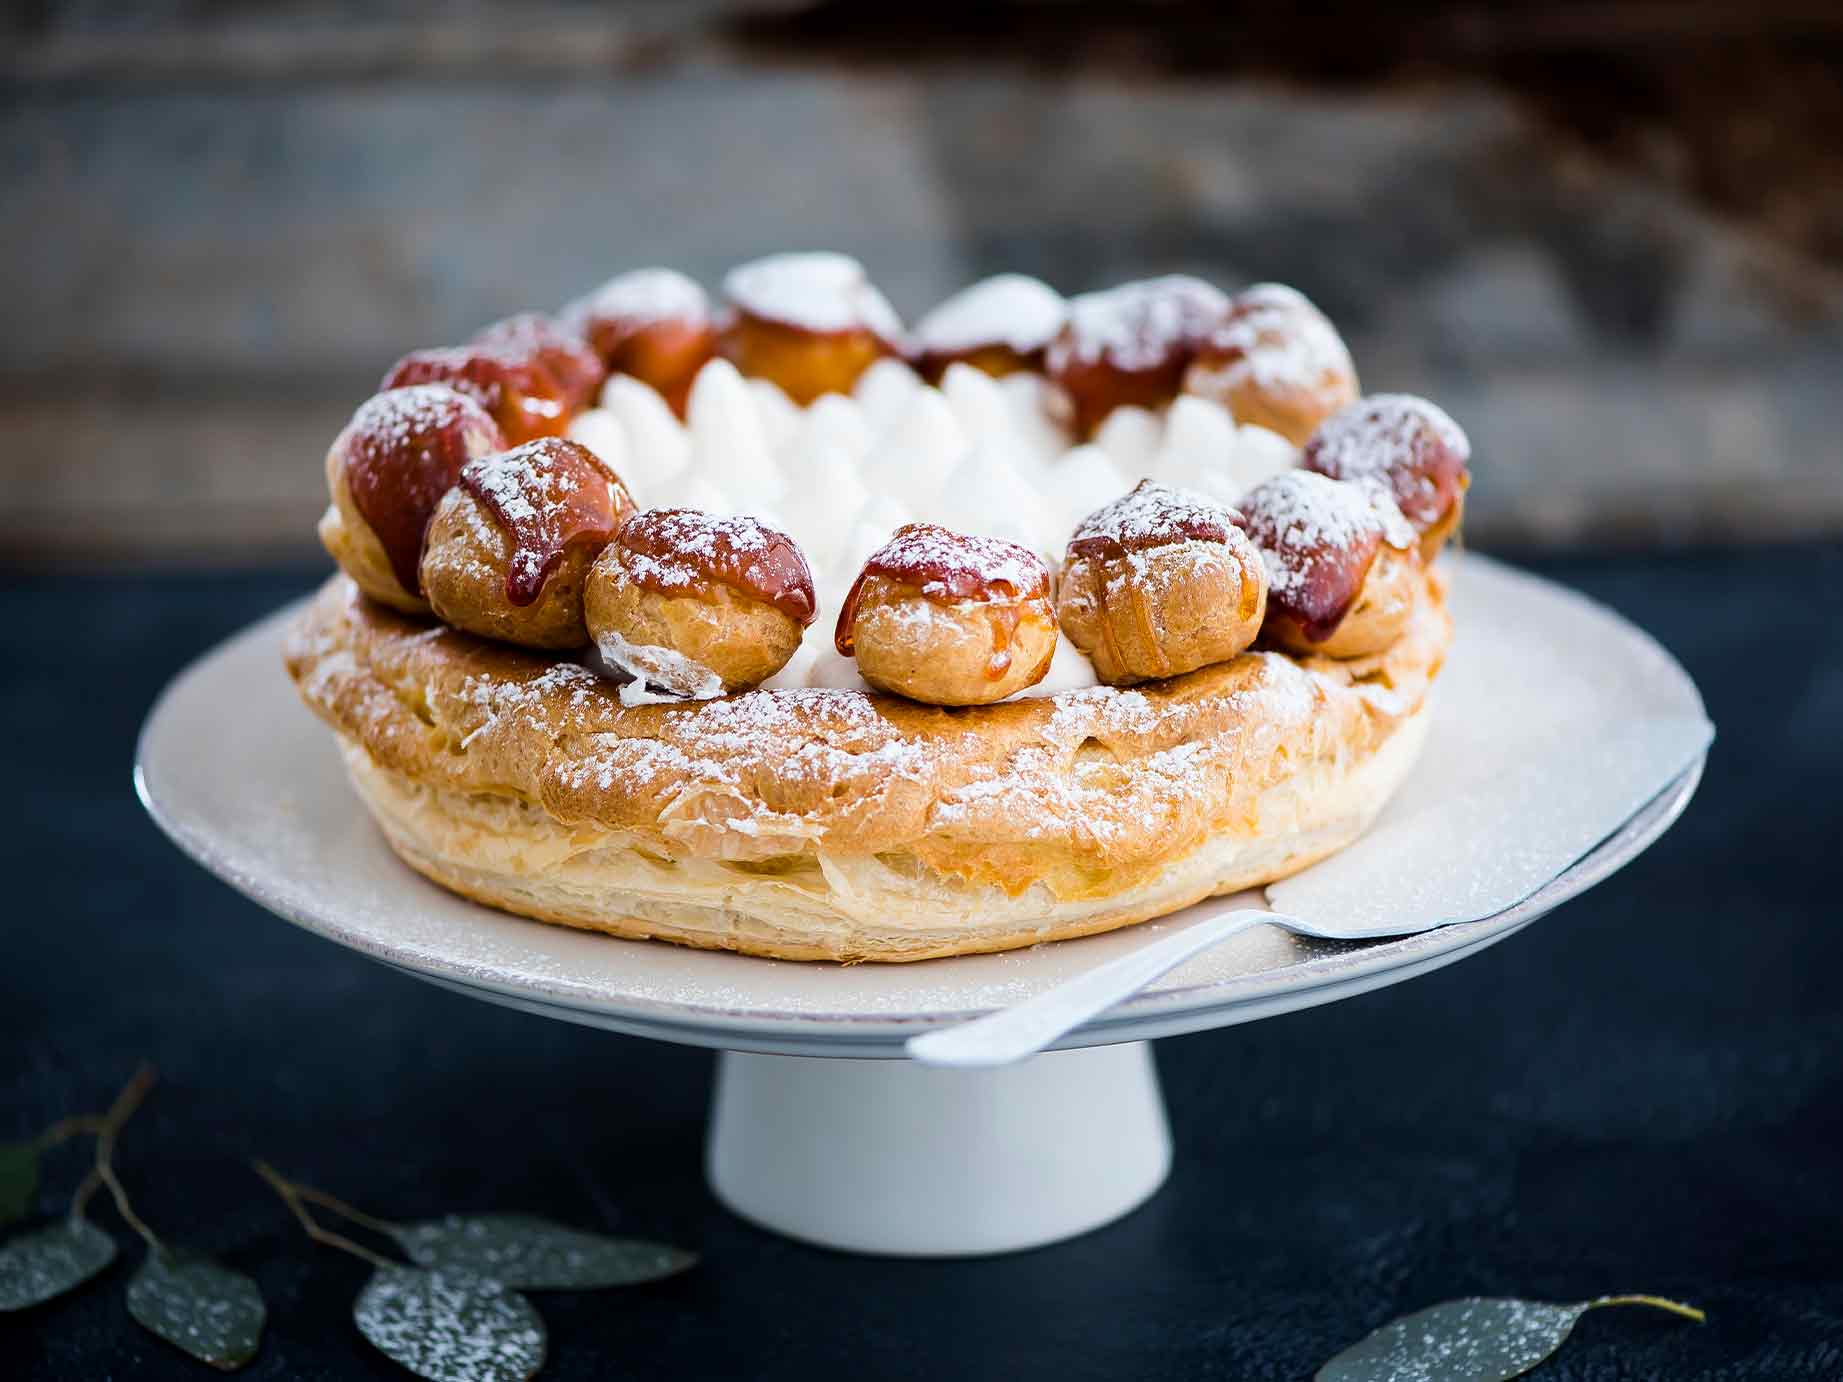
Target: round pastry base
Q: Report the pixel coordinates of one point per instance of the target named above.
(895, 1158)
(810, 1138)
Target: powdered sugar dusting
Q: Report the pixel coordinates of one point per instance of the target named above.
(1154, 515)
(516, 487)
(413, 415)
(1298, 510)
(680, 551)
(1274, 337)
(820, 291)
(643, 295)
(546, 493)
(1399, 445)
(1011, 310)
(945, 565)
(1376, 431)
(1317, 538)
(1137, 326)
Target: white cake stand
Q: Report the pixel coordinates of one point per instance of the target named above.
(820, 1130)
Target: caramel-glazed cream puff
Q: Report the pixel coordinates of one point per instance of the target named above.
(572, 362)
(1343, 566)
(1130, 345)
(1274, 361)
(810, 323)
(510, 545)
(693, 605)
(385, 473)
(652, 324)
(1404, 447)
(949, 619)
(1160, 582)
(999, 326)
(523, 396)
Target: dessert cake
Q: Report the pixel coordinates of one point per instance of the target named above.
(774, 625)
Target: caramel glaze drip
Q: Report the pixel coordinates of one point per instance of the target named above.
(939, 564)
(1004, 619)
(404, 450)
(546, 495)
(683, 550)
(1314, 583)
(523, 396)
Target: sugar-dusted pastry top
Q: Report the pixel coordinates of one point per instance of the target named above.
(1039, 789)
(545, 494)
(673, 551)
(1151, 515)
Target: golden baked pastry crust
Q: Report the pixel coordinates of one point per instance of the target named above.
(828, 824)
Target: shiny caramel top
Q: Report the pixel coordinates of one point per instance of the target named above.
(1398, 442)
(949, 568)
(1318, 538)
(546, 495)
(523, 396)
(652, 324)
(1151, 515)
(404, 450)
(570, 358)
(1130, 345)
(681, 551)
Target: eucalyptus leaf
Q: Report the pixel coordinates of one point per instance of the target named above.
(36, 1266)
(213, 1313)
(451, 1326)
(1478, 1339)
(18, 1180)
(536, 1254)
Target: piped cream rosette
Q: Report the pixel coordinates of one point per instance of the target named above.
(975, 454)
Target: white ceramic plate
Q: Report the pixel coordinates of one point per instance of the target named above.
(248, 783)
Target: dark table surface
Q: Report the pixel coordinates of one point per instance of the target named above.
(1643, 1092)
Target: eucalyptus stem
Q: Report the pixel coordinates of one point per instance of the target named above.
(85, 1188)
(106, 1127)
(344, 1210)
(293, 1196)
(119, 1113)
(66, 1128)
(1688, 1312)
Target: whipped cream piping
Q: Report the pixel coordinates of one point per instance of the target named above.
(979, 455)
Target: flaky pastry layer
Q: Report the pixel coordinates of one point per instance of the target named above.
(831, 824)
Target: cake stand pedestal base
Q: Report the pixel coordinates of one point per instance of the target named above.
(886, 1156)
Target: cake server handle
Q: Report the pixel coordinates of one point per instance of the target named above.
(1022, 1030)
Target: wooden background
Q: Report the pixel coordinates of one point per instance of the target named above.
(221, 223)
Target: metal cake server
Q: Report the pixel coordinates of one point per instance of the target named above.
(1464, 858)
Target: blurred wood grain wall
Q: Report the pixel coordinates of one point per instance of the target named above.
(220, 225)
